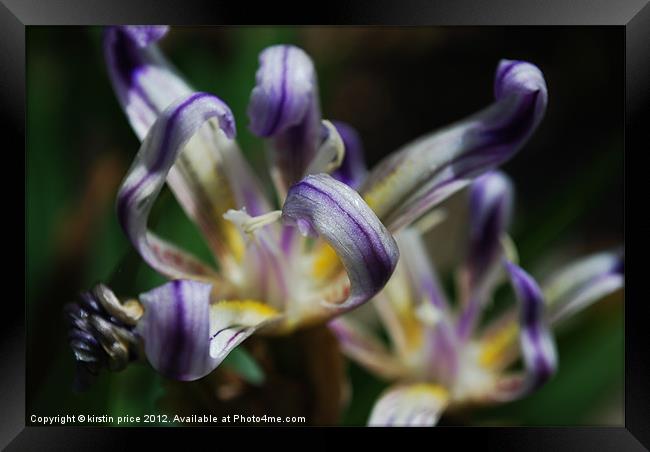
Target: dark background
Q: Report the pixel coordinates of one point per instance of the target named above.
(392, 84)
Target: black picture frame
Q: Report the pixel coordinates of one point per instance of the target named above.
(631, 15)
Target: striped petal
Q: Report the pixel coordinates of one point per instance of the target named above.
(353, 170)
(185, 336)
(416, 405)
(175, 329)
(284, 107)
(537, 344)
(321, 205)
(413, 306)
(570, 290)
(212, 176)
(491, 198)
(422, 174)
(163, 145)
(145, 83)
(232, 321)
(578, 285)
(364, 348)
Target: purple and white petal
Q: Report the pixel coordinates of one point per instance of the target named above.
(413, 306)
(581, 283)
(212, 176)
(491, 200)
(537, 344)
(353, 170)
(144, 180)
(284, 108)
(175, 329)
(422, 273)
(323, 206)
(490, 205)
(415, 405)
(145, 83)
(364, 348)
(232, 321)
(423, 173)
(186, 336)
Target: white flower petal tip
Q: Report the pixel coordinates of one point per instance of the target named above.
(416, 405)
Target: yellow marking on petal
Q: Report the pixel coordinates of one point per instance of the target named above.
(326, 263)
(496, 347)
(413, 332)
(510, 249)
(427, 389)
(253, 306)
(388, 188)
(234, 240)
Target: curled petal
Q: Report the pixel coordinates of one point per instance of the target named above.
(416, 405)
(175, 329)
(324, 206)
(185, 337)
(166, 139)
(537, 344)
(212, 176)
(365, 349)
(425, 172)
(232, 321)
(353, 170)
(581, 283)
(284, 107)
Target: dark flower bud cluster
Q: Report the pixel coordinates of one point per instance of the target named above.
(101, 334)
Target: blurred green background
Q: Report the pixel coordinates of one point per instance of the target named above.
(392, 84)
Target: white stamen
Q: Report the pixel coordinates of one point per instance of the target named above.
(249, 224)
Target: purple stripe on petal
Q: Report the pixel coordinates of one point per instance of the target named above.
(339, 215)
(538, 347)
(490, 202)
(143, 80)
(212, 176)
(284, 107)
(491, 198)
(427, 171)
(175, 329)
(410, 405)
(353, 169)
(165, 141)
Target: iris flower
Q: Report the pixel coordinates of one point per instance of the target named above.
(321, 246)
(440, 355)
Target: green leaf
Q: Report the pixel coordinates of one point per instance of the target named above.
(240, 361)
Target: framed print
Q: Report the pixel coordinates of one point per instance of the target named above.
(382, 217)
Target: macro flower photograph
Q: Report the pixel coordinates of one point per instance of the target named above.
(322, 226)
